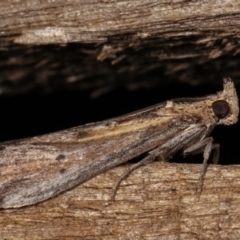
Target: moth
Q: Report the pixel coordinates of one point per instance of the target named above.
(38, 168)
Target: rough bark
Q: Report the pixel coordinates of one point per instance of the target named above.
(48, 46)
(170, 40)
(157, 201)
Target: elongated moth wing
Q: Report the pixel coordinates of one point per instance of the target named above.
(39, 168)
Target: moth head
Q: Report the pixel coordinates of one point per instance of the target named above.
(226, 107)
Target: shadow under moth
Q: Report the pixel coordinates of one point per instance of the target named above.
(38, 168)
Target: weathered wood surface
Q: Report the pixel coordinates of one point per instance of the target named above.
(123, 41)
(39, 22)
(157, 201)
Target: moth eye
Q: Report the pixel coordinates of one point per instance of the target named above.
(220, 108)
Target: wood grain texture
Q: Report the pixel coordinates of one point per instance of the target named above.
(181, 40)
(94, 21)
(157, 201)
(178, 39)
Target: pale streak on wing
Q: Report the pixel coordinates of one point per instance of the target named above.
(30, 171)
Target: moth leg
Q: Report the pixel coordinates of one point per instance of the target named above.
(216, 147)
(206, 146)
(197, 147)
(144, 161)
